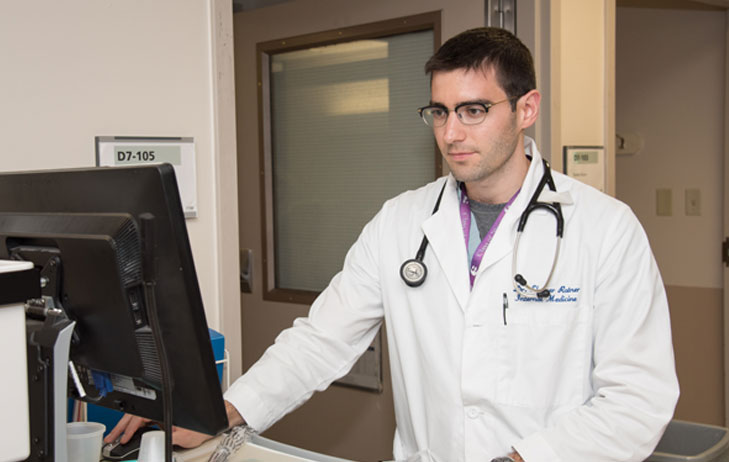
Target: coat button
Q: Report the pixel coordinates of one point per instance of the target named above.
(472, 412)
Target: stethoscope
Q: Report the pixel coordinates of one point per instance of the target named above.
(414, 271)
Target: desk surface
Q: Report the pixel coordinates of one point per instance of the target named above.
(258, 449)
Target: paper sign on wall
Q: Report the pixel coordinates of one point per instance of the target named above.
(118, 151)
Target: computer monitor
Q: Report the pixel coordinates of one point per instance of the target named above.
(108, 242)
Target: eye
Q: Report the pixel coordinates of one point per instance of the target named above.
(474, 110)
(437, 113)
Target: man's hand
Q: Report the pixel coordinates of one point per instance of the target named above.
(126, 428)
(129, 424)
(190, 439)
(187, 438)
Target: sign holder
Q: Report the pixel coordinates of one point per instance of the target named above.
(118, 151)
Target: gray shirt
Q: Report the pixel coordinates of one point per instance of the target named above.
(485, 214)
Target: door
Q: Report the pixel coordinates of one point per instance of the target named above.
(344, 421)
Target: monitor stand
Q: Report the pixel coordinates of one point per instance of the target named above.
(48, 343)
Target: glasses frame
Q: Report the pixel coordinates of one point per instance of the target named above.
(485, 106)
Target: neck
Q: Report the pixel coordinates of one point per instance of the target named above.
(500, 185)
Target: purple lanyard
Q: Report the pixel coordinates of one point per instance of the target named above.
(465, 210)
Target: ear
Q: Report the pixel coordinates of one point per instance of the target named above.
(528, 108)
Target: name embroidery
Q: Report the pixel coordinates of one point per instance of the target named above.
(562, 294)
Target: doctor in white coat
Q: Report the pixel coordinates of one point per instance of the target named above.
(484, 368)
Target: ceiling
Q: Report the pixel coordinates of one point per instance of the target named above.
(245, 5)
(676, 4)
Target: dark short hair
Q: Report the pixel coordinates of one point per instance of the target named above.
(486, 47)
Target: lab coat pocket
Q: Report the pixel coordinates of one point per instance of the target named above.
(544, 355)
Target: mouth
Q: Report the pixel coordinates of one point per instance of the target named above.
(460, 155)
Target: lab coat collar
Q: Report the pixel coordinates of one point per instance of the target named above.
(445, 237)
(445, 234)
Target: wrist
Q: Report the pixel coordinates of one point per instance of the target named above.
(516, 457)
(234, 417)
(512, 457)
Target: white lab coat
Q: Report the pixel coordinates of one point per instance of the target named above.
(587, 375)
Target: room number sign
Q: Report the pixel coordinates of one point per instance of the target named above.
(120, 151)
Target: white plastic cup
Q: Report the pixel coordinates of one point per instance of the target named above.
(84, 441)
(152, 447)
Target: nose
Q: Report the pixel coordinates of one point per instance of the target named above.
(453, 130)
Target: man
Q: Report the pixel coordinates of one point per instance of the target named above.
(482, 367)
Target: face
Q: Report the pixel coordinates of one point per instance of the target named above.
(488, 155)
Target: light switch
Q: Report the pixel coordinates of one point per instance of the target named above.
(664, 202)
(693, 202)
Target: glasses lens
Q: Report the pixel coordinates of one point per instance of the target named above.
(472, 114)
(434, 116)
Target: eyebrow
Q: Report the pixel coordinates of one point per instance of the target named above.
(463, 103)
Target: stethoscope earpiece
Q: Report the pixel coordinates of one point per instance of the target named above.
(544, 293)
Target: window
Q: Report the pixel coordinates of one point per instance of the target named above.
(340, 136)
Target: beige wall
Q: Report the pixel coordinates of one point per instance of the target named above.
(670, 91)
(76, 69)
(670, 87)
(582, 78)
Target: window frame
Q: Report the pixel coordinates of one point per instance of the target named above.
(264, 52)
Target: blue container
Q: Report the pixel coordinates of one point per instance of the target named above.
(218, 342)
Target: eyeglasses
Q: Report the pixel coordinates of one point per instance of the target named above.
(469, 113)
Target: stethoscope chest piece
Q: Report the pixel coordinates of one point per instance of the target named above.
(413, 272)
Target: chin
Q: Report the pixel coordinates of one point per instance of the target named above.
(468, 177)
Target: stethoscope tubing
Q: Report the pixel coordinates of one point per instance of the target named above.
(414, 270)
(519, 281)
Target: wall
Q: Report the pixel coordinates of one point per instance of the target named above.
(76, 69)
(670, 90)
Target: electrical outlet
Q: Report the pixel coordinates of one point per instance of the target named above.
(693, 202)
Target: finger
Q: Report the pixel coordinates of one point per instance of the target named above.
(118, 429)
(134, 424)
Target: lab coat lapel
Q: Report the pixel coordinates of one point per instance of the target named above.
(502, 243)
(445, 236)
